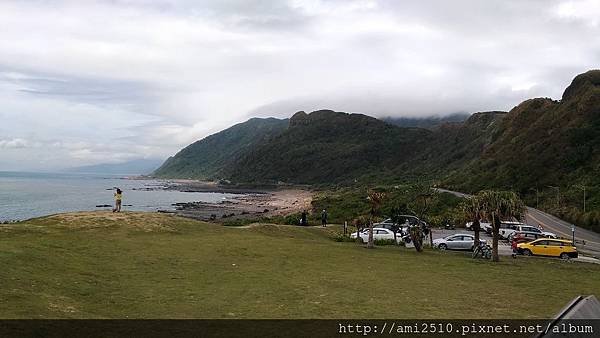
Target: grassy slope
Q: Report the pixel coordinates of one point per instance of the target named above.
(156, 266)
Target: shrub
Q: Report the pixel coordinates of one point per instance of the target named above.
(293, 219)
(384, 242)
(341, 238)
(237, 222)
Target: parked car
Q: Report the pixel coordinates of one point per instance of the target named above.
(525, 236)
(385, 223)
(405, 221)
(456, 242)
(507, 233)
(378, 234)
(503, 225)
(410, 220)
(448, 226)
(548, 247)
(469, 225)
(390, 225)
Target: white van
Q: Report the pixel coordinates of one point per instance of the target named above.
(469, 226)
(503, 225)
(507, 233)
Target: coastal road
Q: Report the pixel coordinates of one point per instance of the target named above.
(587, 241)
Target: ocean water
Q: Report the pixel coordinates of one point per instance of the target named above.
(29, 195)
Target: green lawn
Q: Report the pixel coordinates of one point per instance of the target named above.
(144, 265)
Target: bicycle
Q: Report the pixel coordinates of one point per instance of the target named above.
(484, 250)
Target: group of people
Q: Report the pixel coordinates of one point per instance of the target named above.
(304, 220)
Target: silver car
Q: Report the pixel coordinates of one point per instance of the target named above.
(456, 242)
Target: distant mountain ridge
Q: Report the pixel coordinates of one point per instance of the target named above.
(133, 167)
(430, 122)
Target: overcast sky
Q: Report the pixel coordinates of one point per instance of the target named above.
(84, 82)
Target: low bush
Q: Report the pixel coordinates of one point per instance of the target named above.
(237, 222)
(384, 242)
(342, 238)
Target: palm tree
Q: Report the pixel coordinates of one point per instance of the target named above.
(472, 210)
(359, 223)
(497, 205)
(416, 236)
(397, 218)
(375, 199)
(426, 195)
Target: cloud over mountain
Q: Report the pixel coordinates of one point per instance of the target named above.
(144, 78)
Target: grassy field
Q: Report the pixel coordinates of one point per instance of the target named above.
(144, 265)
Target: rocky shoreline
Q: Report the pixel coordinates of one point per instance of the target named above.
(248, 202)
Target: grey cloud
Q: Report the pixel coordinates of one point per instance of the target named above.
(124, 78)
(79, 89)
(15, 143)
(232, 14)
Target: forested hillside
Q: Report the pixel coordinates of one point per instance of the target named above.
(215, 156)
(327, 147)
(544, 149)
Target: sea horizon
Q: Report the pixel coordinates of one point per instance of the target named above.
(25, 195)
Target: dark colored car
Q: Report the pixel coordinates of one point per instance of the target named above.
(402, 226)
(526, 236)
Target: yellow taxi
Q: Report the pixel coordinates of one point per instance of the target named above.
(548, 247)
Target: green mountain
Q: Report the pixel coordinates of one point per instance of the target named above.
(540, 143)
(330, 147)
(453, 145)
(215, 156)
(430, 122)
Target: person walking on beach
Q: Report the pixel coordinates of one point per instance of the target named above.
(324, 218)
(118, 199)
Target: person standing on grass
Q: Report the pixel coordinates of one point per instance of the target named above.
(118, 199)
(303, 219)
(514, 247)
(324, 218)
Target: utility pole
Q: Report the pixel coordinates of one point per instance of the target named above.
(557, 195)
(537, 197)
(582, 187)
